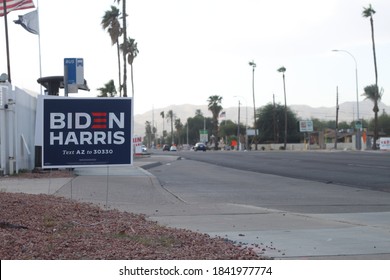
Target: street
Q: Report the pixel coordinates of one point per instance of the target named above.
(366, 170)
(302, 205)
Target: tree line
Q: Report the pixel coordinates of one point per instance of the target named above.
(270, 122)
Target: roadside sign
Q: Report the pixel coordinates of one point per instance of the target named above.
(358, 125)
(384, 143)
(137, 143)
(203, 136)
(305, 126)
(252, 132)
(73, 73)
(86, 131)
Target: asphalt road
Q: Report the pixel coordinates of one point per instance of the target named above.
(366, 170)
(312, 182)
(300, 205)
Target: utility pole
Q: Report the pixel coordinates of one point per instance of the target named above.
(253, 64)
(337, 117)
(274, 119)
(238, 128)
(187, 129)
(153, 134)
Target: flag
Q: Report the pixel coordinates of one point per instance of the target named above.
(29, 22)
(222, 115)
(13, 5)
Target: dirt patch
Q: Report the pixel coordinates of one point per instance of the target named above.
(49, 227)
(40, 173)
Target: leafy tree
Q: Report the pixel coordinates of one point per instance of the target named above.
(344, 125)
(198, 112)
(195, 124)
(110, 22)
(383, 124)
(371, 92)
(229, 128)
(271, 121)
(108, 90)
(215, 107)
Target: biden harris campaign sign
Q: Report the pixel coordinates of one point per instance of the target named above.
(86, 131)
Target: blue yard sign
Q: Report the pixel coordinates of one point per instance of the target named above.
(86, 131)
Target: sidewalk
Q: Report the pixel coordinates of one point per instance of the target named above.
(131, 189)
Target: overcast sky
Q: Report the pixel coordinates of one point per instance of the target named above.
(190, 50)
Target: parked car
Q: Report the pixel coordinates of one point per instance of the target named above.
(144, 149)
(165, 147)
(200, 147)
(173, 148)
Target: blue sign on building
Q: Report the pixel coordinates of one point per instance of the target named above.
(86, 131)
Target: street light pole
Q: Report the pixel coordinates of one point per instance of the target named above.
(238, 127)
(282, 70)
(246, 120)
(253, 64)
(358, 140)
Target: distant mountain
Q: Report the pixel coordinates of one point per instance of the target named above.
(347, 112)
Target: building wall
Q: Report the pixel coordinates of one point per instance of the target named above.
(17, 129)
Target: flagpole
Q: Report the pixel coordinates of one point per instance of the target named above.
(39, 45)
(6, 41)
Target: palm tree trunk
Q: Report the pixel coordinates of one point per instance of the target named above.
(124, 53)
(285, 114)
(132, 81)
(119, 69)
(377, 88)
(172, 140)
(373, 50)
(376, 109)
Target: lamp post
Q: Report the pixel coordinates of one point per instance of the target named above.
(282, 70)
(358, 140)
(253, 64)
(238, 127)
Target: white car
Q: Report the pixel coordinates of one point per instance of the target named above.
(144, 149)
(173, 148)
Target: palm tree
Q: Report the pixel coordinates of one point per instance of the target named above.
(162, 114)
(372, 93)
(368, 13)
(215, 107)
(148, 133)
(179, 127)
(170, 116)
(108, 90)
(124, 54)
(131, 50)
(111, 23)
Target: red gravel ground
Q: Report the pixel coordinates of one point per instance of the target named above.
(49, 227)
